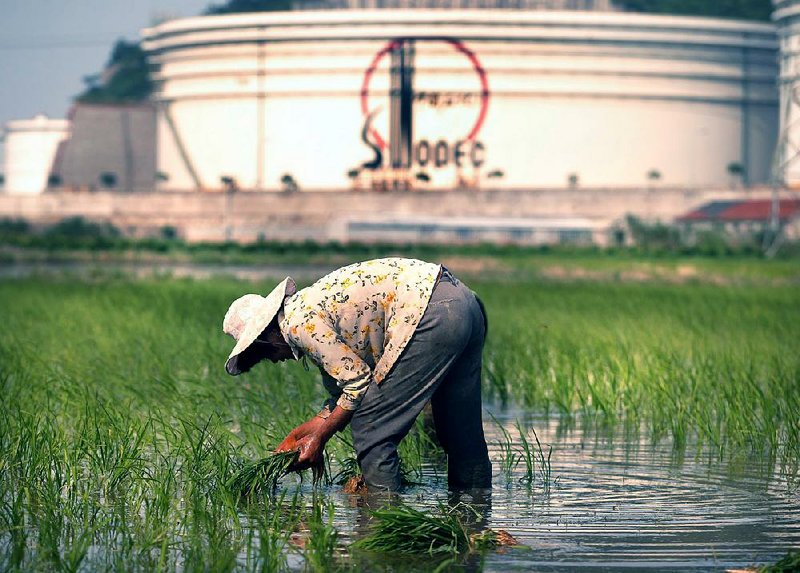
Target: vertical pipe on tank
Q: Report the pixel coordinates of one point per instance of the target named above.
(407, 104)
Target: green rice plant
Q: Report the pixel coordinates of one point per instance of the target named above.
(788, 564)
(120, 428)
(320, 547)
(403, 529)
(400, 529)
(348, 469)
(533, 455)
(261, 476)
(509, 454)
(527, 456)
(420, 446)
(693, 364)
(274, 521)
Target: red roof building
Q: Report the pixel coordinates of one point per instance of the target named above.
(758, 211)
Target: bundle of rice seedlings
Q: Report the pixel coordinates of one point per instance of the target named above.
(402, 529)
(262, 475)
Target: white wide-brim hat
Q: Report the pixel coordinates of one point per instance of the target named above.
(249, 315)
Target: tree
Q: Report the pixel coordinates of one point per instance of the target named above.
(240, 6)
(742, 9)
(125, 79)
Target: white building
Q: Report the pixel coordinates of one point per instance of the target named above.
(481, 97)
(30, 146)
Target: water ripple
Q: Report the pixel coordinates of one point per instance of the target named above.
(616, 504)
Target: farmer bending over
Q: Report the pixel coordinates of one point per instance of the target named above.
(388, 335)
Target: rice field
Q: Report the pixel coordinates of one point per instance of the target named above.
(121, 431)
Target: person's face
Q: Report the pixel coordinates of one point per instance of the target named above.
(272, 346)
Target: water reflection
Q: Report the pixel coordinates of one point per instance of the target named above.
(615, 501)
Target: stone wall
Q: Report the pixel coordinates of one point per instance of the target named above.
(323, 216)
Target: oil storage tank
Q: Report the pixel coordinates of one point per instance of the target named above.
(30, 147)
(402, 98)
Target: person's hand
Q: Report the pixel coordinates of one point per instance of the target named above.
(309, 440)
(311, 449)
(290, 442)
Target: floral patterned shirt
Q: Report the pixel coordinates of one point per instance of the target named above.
(355, 322)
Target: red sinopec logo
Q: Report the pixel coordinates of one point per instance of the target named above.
(435, 110)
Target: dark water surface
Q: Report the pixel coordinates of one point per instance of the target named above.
(620, 505)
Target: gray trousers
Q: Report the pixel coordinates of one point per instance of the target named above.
(441, 363)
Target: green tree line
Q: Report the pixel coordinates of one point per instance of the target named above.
(740, 9)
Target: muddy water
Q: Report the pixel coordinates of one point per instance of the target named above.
(621, 504)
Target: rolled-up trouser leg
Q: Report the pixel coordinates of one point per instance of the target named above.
(388, 410)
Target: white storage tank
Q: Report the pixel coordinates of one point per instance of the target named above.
(30, 147)
(467, 98)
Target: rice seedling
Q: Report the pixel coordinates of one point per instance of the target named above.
(320, 547)
(789, 563)
(532, 456)
(121, 431)
(348, 469)
(509, 454)
(274, 524)
(693, 364)
(261, 476)
(403, 529)
(400, 529)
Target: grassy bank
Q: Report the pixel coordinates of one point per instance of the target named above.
(658, 255)
(121, 427)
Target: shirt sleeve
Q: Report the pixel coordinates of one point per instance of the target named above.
(331, 385)
(327, 349)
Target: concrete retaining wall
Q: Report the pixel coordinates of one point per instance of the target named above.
(323, 216)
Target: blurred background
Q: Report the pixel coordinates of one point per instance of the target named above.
(525, 122)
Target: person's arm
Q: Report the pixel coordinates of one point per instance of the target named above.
(327, 349)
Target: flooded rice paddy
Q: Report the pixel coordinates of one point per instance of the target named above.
(120, 428)
(615, 504)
